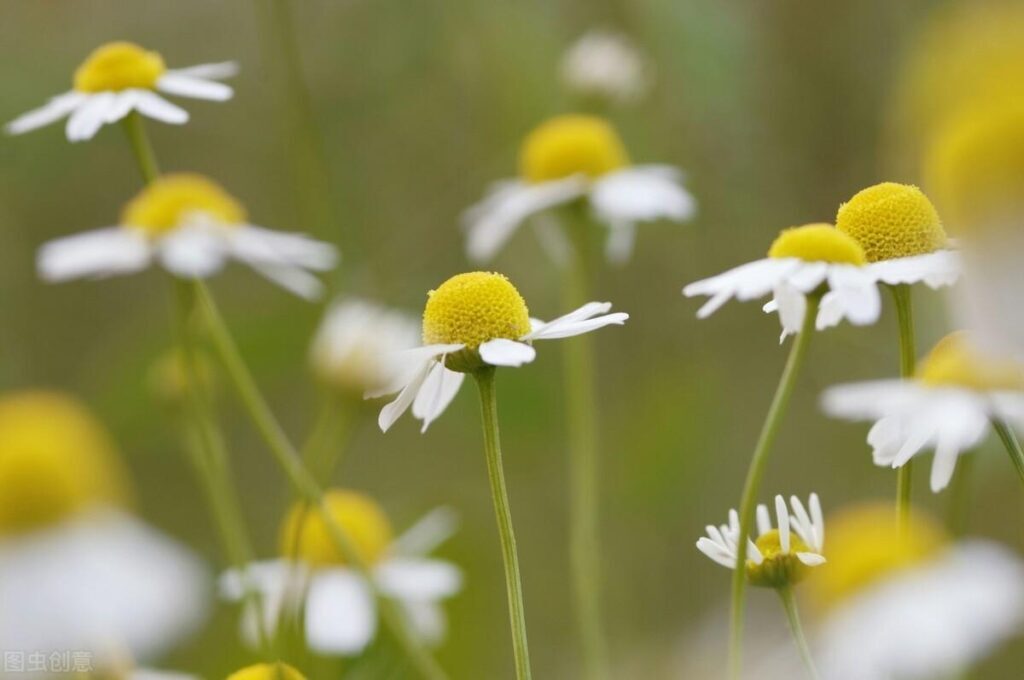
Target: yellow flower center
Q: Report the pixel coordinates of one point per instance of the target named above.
(306, 536)
(55, 460)
(778, 568)
(955, 362)
(473, 308)
(119, 66)
(892, 220)
(170, 201)
(267, 671)
(571, 145)
(817, 243)
(865, 546)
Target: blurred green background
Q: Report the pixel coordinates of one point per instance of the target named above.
(777, 111)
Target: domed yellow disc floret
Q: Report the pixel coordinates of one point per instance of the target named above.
(305, 535)
(473, 308)
(865, 545)
(119, 66)
(892, 220)
(166, 203)
(267, 671)
(817, 243)
(954, 362)
(55, 460)
(571, 145)
(778, 569)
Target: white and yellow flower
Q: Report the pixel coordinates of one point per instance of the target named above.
(267, 671)
(779, 555)
(192, 227)
(471, 321)
(77, 570)
(119, 78)
(312, 582)
(948, 406)
(605, 65)
(570, 158)
(805, 260)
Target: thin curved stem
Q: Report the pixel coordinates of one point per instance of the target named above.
(755, 472)
(141, 146)
(1012, 444)
(793, 616)
(499, 494)
(908, 359)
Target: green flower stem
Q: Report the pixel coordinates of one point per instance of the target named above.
(581, 409)
(752, 484)
(496, 475)
(1012, 444)
(908, 358)
(325, 446)
(144, 156)
(793, 615)
(303, 482)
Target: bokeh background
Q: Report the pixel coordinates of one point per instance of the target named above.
(777, 111)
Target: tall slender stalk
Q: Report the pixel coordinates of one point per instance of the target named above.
(496, 475)
(1012, 444)
(793, 616)
(755, 472)
(908, 359)
(141, 146)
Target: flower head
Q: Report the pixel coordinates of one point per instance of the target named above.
(305, 535)
(606, 65)
(470, 322)
(571, 145)
(267, 671)
(192, 226)
(119, 78)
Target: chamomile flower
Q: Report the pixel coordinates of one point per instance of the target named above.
(605, 65)
(77, 571)
(119, 78)
(779, 556)
(192, 227)
(571, 158)
(901, 234)
(355, 340)
(806, 260)
(267, 671)
(909, 605)
(336, 605)
(471, 321)
(948, 406)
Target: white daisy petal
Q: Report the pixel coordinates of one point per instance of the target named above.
(938, 269)
(418, 578)
(439, 388)
(94, 254)
(641, 193)
(123, 104)
(156, 107)
(621, 239)
(782, 516)
(256, 244)
(808, 276)
(392, 411)
(423, 537)
(811, 559)
(764, 522)
(504, 352)
(427, 619)
(55, 109)
(88, 117)
(341, 615)
(193, 251)
(715, 552)
(577, 322)
(216, 71)
(818, 522)
(190, 86)
(746, 282)
(405, 364)
(792, 308)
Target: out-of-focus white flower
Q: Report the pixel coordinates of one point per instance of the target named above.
(356, 339)
(335, 603)
(119, 78)
(606, 65)
(192, 227)
(570, 158)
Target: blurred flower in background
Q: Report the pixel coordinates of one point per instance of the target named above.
(606, 66)
(267, 671)
(77, 571)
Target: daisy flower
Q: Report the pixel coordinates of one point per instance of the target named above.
(948, 406)
(190, 226)
(901, 234)
(607, 66)
(311, 581)
(356, 338)
(812, 259)
(119, 78)
(267, 671)
(77, 571)
(474, 320)
(778, 557)
(909, 605)
(572, 158)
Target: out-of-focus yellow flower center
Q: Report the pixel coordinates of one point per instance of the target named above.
(119, 66)
(954, 362)
(55, 460)
(571, 145)
(168, 202)
(817, 243)
(865, 546)
(473, 308)
(267, 671)
(892, 220)
(778, 569)
(306, 536)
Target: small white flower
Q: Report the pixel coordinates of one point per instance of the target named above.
(570, 158)
(191, 226)
(607, 65)
(355, 341)
(948, 406)
(475, 313)
(118, 78)
(802, 260)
